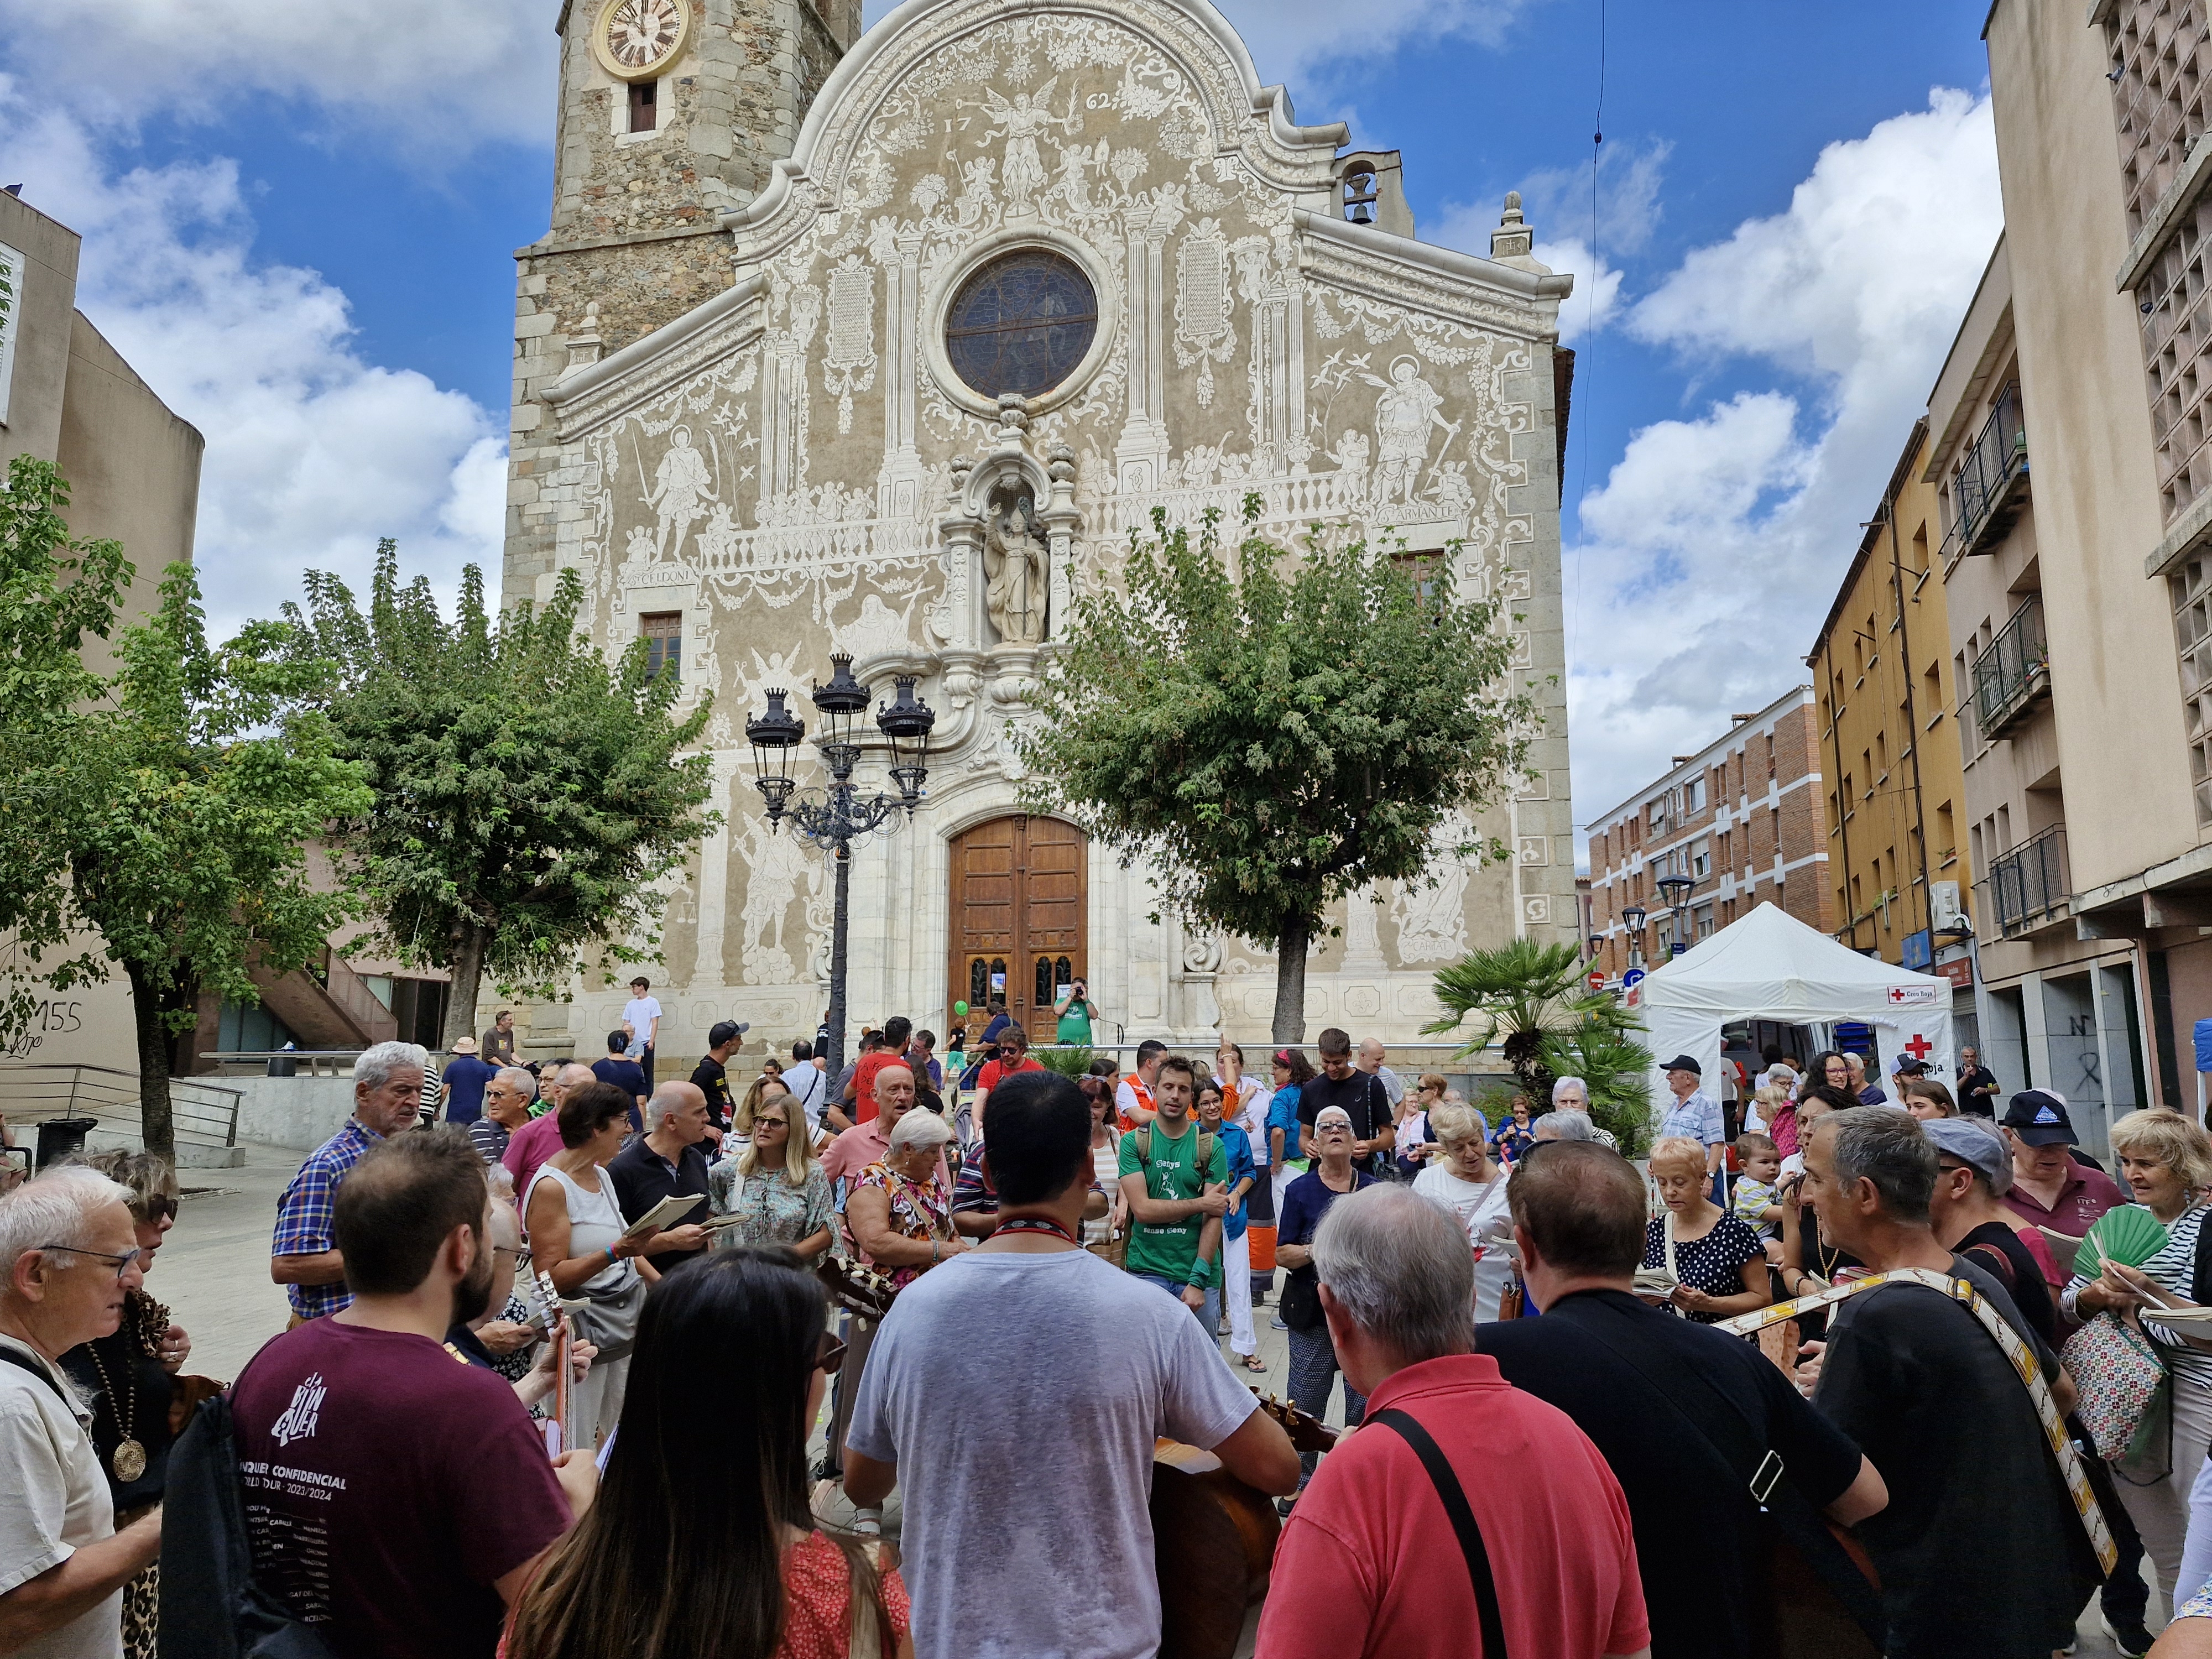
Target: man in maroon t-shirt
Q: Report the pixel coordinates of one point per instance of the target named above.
(397, 1499)
(2049, 1187)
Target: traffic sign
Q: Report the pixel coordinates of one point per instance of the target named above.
(1632, 979)
(1597, 979)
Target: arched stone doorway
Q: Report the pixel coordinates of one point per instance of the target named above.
(1020, 900)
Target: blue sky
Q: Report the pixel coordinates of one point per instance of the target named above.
(300, 228)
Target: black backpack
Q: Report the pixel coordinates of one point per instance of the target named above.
(207, 1560)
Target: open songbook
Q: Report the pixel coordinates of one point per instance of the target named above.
(663, 1214)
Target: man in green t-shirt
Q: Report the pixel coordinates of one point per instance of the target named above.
(1076, 1012)
(1175, 1179)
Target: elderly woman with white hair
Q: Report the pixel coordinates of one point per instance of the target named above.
(1313, 1362)
(1717, 1262)
(1471, 1184)
(900, 1210)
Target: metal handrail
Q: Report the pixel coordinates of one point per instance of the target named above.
(198, 1118)
(2014, 668)
(1997, 456)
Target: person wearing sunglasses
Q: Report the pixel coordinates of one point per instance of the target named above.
(760, 1578)
(69, 1257)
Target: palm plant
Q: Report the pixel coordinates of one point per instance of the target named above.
(1617, 1070)
(1521, 991)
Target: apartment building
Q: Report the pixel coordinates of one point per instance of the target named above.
(1889, 754)
(1739, 823)
(2067, 449)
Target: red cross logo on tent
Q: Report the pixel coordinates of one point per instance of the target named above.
(1919, 1048)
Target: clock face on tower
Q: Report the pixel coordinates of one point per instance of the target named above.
(640, 39)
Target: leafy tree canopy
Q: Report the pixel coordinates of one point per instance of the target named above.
(1272, 732)
(171, 801)
(529, 799)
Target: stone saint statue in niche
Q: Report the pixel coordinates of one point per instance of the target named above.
(1013, 566)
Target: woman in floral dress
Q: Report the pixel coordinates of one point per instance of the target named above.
(774, 1187)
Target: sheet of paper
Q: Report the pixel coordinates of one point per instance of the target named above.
(2063, 1246)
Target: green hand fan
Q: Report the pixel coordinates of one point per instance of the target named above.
(2130, 1235)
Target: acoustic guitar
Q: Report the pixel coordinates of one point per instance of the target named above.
(1213, 1539)
(559, 1430)
(861, 1291)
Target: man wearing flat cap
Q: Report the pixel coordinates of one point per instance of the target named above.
(1696, 1114)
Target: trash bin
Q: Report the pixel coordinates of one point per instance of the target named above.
(62, 1137)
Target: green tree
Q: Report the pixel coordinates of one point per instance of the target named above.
(1524, 995)
(1616, 1069)
(1272, 735)
(175, 798)
(529, 799)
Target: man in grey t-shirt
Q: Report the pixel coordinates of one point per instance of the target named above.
(1077, 1369)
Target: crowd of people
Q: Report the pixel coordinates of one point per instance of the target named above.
(578, 1370)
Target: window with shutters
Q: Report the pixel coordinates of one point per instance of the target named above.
(663, 632)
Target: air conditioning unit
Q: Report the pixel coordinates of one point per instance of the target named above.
(1945, 913)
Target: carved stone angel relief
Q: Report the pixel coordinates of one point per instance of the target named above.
(1014, 569)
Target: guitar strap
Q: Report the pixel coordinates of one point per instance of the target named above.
(1454, 1496)
(2015, 1349)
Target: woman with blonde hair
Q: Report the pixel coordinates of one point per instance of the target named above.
(1718, 1264)
(2166, 1160)
(774, 1185)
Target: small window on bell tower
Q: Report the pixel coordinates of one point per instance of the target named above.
(644, 105)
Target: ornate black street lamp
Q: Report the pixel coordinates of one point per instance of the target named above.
(1676, 891)
(1631, 917)
(839, 817)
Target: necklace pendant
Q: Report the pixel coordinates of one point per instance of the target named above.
(129, 1460)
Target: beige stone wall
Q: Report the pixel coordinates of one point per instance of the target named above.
(792, 463)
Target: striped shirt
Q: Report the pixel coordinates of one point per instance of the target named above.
(2174, 1270)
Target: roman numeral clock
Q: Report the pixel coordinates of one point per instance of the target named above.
(640, 39)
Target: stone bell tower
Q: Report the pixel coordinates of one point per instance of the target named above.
(671, 112)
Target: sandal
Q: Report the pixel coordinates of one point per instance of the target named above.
(1254, 1363)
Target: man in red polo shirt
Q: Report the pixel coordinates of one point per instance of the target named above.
(1369, 1561)
(889, 1050)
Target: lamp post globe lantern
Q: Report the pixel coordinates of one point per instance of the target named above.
(1631, 917)
(1675, 888)
(840, 816)
(774, 734)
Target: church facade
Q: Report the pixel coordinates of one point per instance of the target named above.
(885, 345)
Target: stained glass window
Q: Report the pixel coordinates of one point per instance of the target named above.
(1022, 324)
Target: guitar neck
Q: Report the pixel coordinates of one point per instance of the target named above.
(557, 1332)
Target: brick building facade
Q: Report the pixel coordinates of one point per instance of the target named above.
(1741, 820)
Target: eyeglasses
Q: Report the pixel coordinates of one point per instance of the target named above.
(521, 1256)
(161, 1207)
(124, 1263)
(829, 1354)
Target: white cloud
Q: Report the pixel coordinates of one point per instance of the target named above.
(1710, 554)
(429, 76)
(312, 452)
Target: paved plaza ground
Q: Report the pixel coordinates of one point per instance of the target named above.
(214, 1274)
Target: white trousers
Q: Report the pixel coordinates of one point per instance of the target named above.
(1237, 1292)
(595, 1404)
(1279, 1180)
(2161, 1508)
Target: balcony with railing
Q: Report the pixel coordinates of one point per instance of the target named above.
(1989, 487)
(2012, 678)
(2029, 887)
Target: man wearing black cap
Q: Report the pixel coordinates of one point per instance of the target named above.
(2049, 1187)
(1695, 1114)
(712, 1077)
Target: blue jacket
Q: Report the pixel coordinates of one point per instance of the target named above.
(1237, 1146)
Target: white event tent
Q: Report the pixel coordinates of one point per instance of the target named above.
(1769, 965)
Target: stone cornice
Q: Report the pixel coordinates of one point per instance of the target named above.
(640, 369)
(1361, 259)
